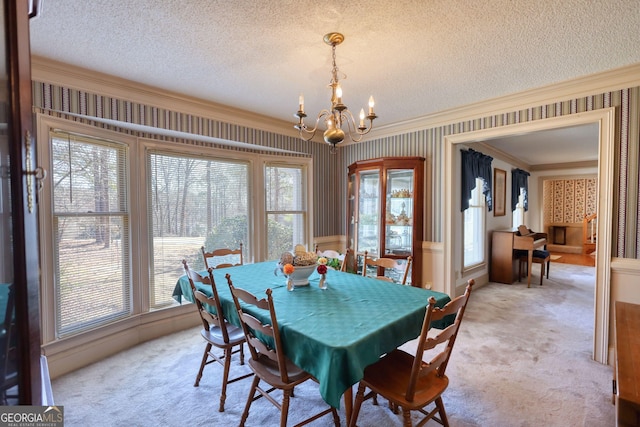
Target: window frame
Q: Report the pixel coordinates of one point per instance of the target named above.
(306, 212)
(519, 211)
(481, 205)
(83, 212)
(48, 306)
(137, 175)
(200, 156)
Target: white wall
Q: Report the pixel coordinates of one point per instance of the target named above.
(502, 222)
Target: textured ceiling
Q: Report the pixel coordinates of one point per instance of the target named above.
(416, 57)
(577, 144)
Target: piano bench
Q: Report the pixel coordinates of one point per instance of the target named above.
(539, 257)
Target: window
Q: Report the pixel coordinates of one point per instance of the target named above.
(120, 213)
(90, 232)
(194, 202)
(518, 213)
(474, 219)
(286, 208)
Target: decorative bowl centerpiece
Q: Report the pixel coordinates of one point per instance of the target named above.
(298, 266)
(300, 275)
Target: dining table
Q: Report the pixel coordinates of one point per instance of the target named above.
(332, 333)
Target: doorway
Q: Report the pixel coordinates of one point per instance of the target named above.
(605, 121)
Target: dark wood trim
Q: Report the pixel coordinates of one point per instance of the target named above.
(25, 225)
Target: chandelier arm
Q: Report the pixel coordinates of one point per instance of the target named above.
(355, 132)
(302, 127)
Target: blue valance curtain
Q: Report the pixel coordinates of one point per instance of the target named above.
(519, 179)
(475, 165)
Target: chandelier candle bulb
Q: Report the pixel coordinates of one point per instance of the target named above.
(301, 102)
(371, 104)
(362, 117)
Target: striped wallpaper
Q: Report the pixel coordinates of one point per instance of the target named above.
(429, 143)
(59, 101)
(331, 170)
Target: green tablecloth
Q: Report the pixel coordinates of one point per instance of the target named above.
(334, 333)
(4, 298)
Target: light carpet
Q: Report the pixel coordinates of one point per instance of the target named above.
(523, 358)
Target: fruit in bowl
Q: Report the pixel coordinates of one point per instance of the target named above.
(298, 265)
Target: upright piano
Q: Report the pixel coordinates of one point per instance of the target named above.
(504, 243)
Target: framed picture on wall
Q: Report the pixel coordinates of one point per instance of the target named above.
(499, 191)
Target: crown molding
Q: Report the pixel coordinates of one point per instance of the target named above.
(65, 75)
(607, 81)
(570, 165)
(58, 73)
(499, 154)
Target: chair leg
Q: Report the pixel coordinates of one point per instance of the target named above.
(336, 417)
(406, 417)
(202, 364)
(242, 353)
(225, 378)
(548, 265)
(441, 411)
(356, 405)
(541, 272)
(245, 413)
(284, 410)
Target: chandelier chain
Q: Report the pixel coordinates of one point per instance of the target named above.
(334, 70)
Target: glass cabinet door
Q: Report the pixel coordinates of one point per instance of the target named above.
(399, 212)
(368, 226)
(385, 212)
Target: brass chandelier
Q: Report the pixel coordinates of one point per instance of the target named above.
(338, 115)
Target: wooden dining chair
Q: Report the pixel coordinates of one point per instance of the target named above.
(216, 331)
(327, 253)
(268, 360)
(333, 254)
(348, 255)
(224, 255)
(382, 263)
(408, 381)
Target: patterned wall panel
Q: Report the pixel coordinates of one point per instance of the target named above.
(569, 200)
(547, 200)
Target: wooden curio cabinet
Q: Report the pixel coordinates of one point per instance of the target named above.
(385, 209)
